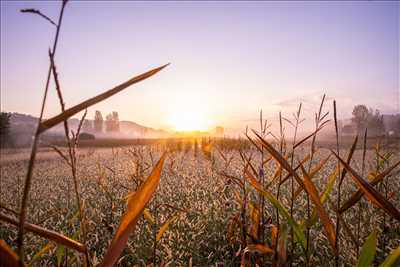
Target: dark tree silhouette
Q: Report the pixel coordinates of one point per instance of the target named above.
(360, 117)
(367, 118)
(116, 121)
(5, 138)
(112, 122)
(375, 123)
(98, 122)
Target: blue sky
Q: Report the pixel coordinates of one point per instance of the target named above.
(228, 59)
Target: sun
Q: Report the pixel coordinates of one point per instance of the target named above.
(189, 111)
(188, 120)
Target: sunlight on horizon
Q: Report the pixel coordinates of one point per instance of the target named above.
(189, 112)
(189, 120)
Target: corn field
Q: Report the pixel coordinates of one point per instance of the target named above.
(261, 200)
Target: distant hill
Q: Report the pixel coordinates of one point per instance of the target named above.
(128, 129)
(133, 129)
(23, 127)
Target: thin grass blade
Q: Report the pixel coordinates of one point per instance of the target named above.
(47, 124)
(165, 226)
(48, 234)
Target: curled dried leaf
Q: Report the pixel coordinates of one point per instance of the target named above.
(136, 204)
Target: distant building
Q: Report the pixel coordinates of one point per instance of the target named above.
(392, 124)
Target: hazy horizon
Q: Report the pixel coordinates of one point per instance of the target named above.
(228, 59)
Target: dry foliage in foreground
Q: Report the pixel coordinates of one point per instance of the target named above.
(258, 201)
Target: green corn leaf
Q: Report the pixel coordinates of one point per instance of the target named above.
(323, 198)
(60, 254)
(393, 259)
(368, 251)
(282, 210)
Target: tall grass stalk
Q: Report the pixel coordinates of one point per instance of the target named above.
(318, 119)
(297, 119)
(281, 144)
(338, 185)
(360, 203)
(72, 145)
(261, 177)
(28, 178)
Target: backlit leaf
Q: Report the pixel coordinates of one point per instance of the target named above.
(136, 204)
(358, 195)
(368, 251)
(393, 259)
(165, 226)
(326, 221)
(372, 194)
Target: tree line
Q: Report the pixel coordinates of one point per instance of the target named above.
(363, 117)
(99, 124)
(110, 124)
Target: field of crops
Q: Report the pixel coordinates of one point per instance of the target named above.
(267, 199)
(206, 210)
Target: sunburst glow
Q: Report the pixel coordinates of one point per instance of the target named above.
(188, 120)
(185, 114)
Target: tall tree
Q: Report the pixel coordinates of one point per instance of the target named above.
(116, 121)
(98, 122)
(376, 125)
(109, 123)
(360, 117)
(112, 122)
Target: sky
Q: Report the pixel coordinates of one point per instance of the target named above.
(228, 59)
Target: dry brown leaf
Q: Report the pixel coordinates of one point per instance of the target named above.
(136, 204)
